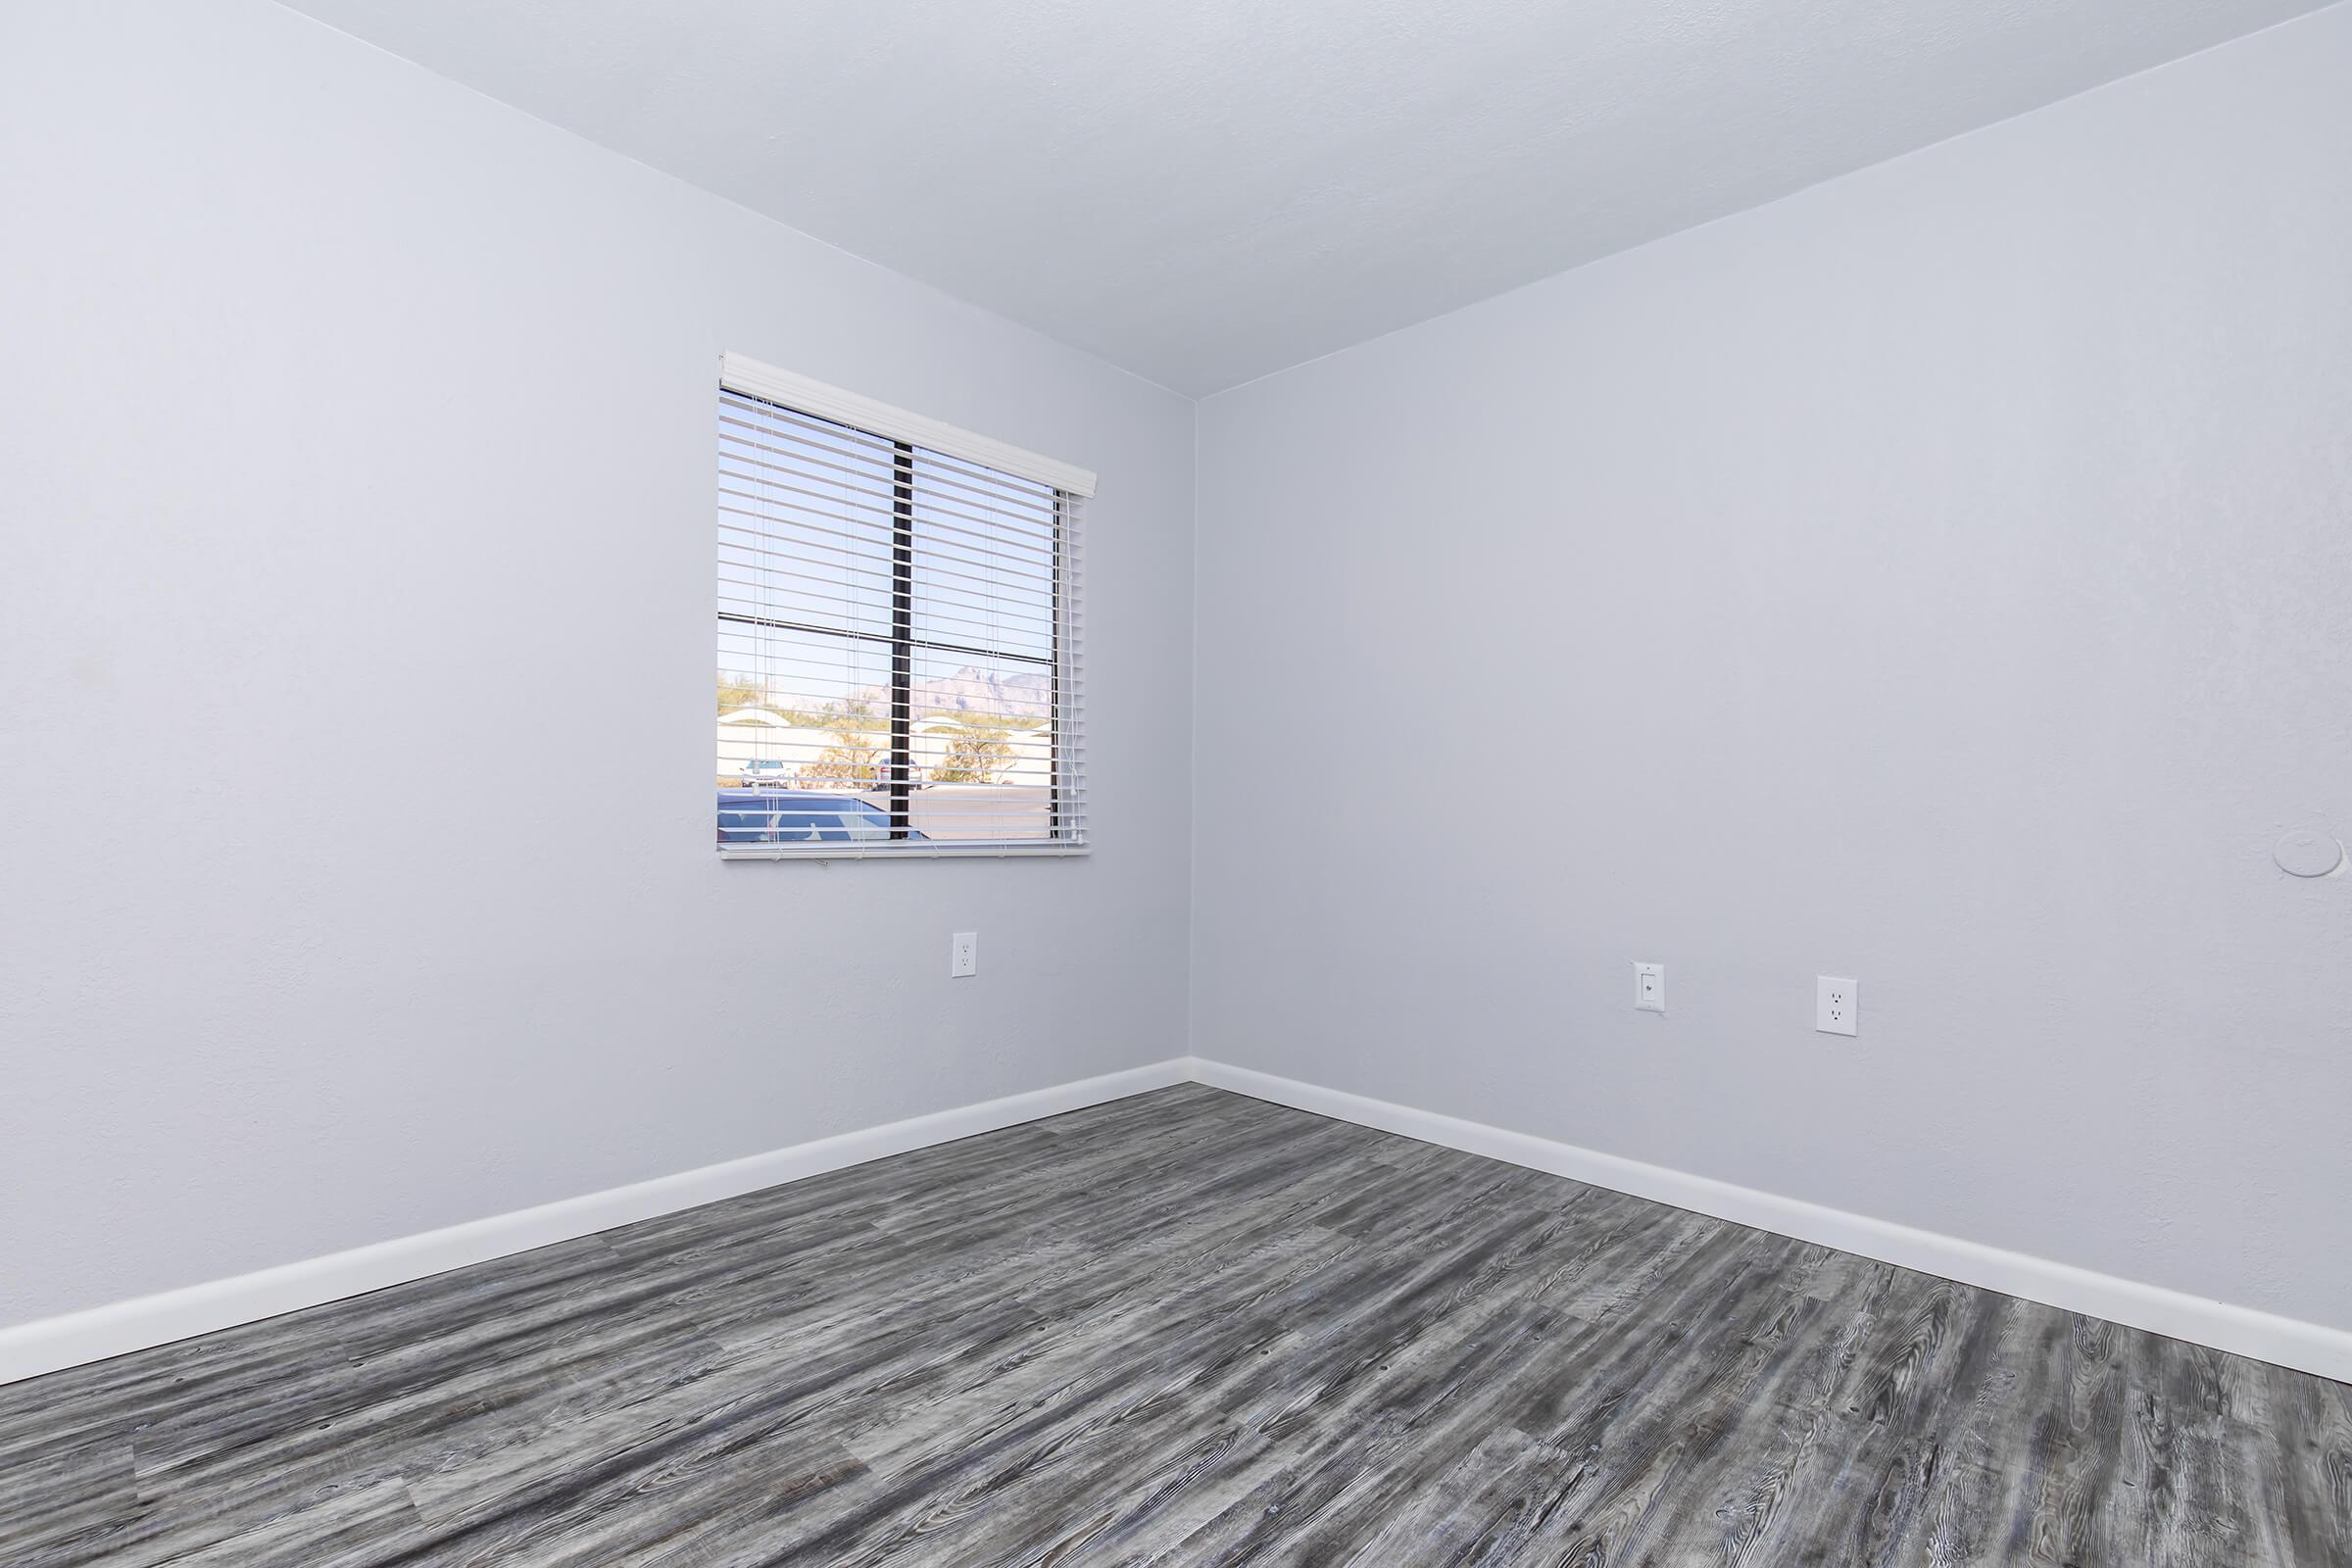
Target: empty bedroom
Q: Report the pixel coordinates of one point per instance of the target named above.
(1550, 782)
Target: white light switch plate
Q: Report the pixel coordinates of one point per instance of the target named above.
(1837, 1005)
(963, 955)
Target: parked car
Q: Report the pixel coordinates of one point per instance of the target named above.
(757, 815)
(767, 773)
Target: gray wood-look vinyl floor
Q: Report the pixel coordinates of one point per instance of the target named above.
(1186, 1327)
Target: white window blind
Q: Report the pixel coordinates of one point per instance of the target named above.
(897, 632)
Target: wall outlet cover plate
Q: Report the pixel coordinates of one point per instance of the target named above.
(1837, 1005)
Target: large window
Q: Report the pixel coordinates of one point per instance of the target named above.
(897, 631)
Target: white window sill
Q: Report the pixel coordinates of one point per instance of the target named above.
(907, 851)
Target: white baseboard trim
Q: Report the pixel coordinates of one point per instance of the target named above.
(77, 1338)
(2264, 1336)
(74, 1339)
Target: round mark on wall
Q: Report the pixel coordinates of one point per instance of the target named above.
(2308, 853)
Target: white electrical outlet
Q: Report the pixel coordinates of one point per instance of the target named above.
(1837, 1005)
(963, 955)
(1649, 987)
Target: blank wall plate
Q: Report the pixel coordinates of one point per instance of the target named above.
(963, 955)
(1649, 987)
(1837, 1005)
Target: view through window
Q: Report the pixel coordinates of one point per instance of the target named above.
(897, 665)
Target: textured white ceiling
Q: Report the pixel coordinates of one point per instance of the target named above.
(1207, 190)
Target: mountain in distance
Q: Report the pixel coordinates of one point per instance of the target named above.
(1027, 694)
(973, 689)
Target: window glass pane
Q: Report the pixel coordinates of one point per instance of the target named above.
(805, 521)
(796, 816)
(983, 748)
(801, 709)
(862, 820)
(983, 568)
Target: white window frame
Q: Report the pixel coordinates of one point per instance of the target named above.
(748, 377)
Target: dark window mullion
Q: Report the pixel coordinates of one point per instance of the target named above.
(1054, 707)
(902, 637)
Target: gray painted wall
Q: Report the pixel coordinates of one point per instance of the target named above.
(355, 658)
(1942, 577)
(364, 485)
